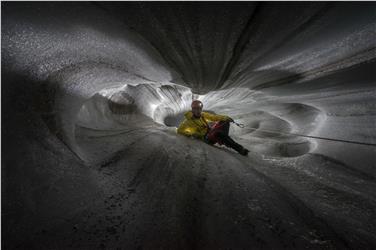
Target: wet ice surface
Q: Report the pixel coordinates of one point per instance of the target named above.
(92, 94)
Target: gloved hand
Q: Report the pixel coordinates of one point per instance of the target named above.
(230, 119)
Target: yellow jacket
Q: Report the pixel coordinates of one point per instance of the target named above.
(197, 127)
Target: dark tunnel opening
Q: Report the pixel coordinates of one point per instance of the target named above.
(174, 120)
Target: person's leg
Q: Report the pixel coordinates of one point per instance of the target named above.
(218, 127)
(225, 127)
(229, 142)
(220, 135)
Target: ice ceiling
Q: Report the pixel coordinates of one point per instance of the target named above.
(92, 93)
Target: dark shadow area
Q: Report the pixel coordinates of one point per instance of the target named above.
(174, 120)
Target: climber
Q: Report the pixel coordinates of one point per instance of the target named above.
(196, 124)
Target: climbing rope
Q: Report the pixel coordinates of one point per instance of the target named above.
(306, 136)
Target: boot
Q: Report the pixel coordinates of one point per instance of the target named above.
(244, 151)
(229, 142)
(239, 148)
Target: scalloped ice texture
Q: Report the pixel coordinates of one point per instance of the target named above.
(92, 94)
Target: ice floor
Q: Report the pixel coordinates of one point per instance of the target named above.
(92, 94)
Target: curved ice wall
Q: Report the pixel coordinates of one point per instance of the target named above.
(85, 83)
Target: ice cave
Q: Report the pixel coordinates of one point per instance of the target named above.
(93, 92)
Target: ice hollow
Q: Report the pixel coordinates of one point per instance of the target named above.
(92, 94)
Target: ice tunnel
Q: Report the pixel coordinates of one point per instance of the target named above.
(92, 93)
